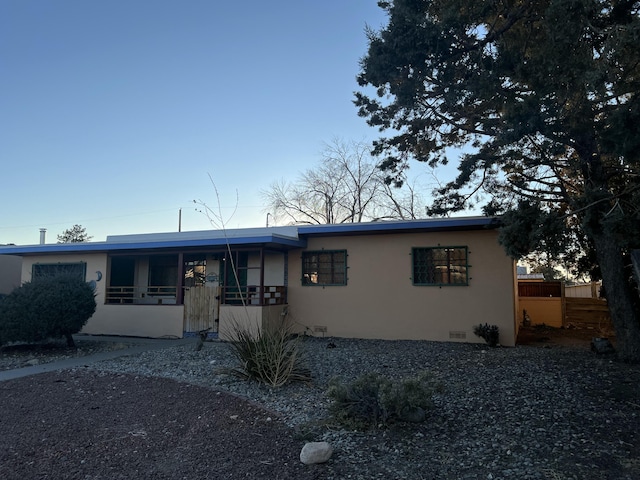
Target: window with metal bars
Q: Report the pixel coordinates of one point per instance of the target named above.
(40, 270)
(324, 267)
(440, 266)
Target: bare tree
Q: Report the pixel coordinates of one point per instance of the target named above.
(346, 187)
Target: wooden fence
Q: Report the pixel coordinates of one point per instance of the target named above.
(546, 303)
(540, 289)
(592, 312)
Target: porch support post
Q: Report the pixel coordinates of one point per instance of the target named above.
(180, 283)
(261, 276)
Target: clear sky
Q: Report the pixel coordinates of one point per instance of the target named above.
(113, 114)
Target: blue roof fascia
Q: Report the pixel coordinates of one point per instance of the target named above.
(440, 224)
(99, 247)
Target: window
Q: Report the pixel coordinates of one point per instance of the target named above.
(163, 271)
(324, 267)
(195, 272)
(40, 270)
(440, 266)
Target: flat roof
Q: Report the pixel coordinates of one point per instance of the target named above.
(281, 238)
(401, 226)
(165, 241)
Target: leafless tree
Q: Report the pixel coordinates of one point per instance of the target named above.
(346, 187)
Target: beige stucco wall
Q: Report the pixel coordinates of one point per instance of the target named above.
(517, 316)
(250, 318)
(273, 269)
(246, 318)
(129, 320)
(542, 310)
(95, 263)
(155, 321)
(10, 272)
(379, 300)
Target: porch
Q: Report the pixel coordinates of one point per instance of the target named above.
(207, 285)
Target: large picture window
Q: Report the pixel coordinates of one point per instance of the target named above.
(40, 270)
(324, 267)
(440, 266)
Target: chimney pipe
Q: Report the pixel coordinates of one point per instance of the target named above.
(43, 232)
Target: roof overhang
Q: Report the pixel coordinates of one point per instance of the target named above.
(401, 226)
(272, 238)
(267, 241)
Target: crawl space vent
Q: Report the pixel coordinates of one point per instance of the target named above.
(458, 335)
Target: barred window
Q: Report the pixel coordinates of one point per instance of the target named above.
(40, 270)
(324, 267)
(440, 266)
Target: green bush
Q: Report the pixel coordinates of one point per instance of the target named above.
(490, 333)
(373, 400)
(271, 356)
(49, 307)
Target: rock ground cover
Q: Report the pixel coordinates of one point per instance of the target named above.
(543, 411)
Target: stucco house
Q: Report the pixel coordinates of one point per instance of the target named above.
(428, 279)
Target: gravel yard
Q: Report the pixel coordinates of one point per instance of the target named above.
(530, 412)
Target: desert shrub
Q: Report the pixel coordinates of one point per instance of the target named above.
(490, 333)
(271, 355)
(49, 307)
(374, 400)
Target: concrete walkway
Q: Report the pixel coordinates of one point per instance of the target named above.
(141, 345)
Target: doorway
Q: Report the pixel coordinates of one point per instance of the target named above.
(201, 294)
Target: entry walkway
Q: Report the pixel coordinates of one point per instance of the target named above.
(141, 345)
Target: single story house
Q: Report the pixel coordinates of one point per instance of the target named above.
(428, 279)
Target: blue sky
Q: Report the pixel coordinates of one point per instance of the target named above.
(113, 114)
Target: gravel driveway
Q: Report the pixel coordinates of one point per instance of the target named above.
(530, 412)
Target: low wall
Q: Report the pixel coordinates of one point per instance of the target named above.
(541, 310)
(250, 318)
(154, 321)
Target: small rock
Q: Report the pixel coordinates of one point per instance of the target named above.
(33, 362)
(601, 346)
(316, 452)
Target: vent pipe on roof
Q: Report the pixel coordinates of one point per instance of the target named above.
(43, 232)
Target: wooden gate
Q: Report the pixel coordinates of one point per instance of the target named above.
(201, 309)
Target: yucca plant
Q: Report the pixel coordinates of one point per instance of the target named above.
(271, 355)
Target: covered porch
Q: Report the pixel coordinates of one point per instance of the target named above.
(207, 283)
(200, 280)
